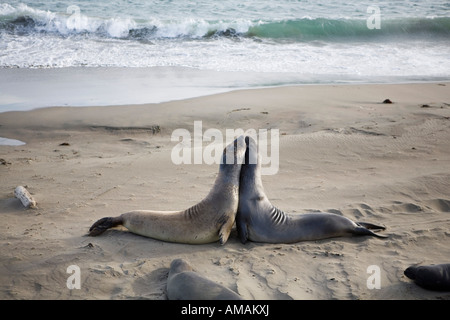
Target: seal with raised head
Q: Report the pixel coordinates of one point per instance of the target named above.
(208, 221)
(432, 277)
(259, 221)
(185, 284)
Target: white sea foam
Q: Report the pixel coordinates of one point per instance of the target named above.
(370, 59)
(10, 142)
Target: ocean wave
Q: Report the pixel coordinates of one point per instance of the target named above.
(23, 20)
(345, 29)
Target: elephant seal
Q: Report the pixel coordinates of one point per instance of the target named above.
(258, 220)
(208, 221)
(432, 277)
(185, 284)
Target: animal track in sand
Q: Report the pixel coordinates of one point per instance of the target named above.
(439, 205)
(427, 206)
(358, 211)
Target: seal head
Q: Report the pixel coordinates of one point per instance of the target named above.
(431, 277)
(185, 284)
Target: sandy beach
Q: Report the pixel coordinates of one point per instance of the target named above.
(341, 150)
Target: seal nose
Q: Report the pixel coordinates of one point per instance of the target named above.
(179, 265)
(241, 148)
(234, 153)
(251, 154)
(410, 272)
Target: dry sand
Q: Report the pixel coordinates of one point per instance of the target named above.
(341, 150)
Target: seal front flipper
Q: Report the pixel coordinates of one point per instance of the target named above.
(242, 230)
(225, 230)
(104, 224)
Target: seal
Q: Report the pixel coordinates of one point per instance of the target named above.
(259, 221)
(185, 284)
(208, 221)
(431, 277)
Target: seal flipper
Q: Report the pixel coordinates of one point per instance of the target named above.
(225, 230)
(370, 226)
(242, 230)
(362, 231)
(103, 224)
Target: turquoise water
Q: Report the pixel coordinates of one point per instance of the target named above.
(324, 40)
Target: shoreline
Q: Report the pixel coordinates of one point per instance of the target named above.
(341, 150)
(25, 89)
(91, 116)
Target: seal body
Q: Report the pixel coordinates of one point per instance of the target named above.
(258, 220)
(185, 284)
(208, 221)
(432, 277)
